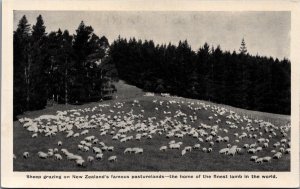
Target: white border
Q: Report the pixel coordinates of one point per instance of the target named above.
(18, 179)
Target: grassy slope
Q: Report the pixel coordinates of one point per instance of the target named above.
(152, 159)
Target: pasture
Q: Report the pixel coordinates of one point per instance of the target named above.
(150, 133)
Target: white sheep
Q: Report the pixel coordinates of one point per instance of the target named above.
(57, 157)
(90, 158)
(204, 149)
(183, 152)
(259, 160)
(267, 159)
(196, 146)
(80, 162)
(188, 148)
(224, 151)
(99, 156)
(110, 148)
(128, 150)
(112, 159)
(59, 143)
(26, 155)
(42, 155)
(253, 158)
(34, 135)
(277, 155)
(163, 148)
(288, 151)
(252, 151)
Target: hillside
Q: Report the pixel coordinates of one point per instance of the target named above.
(149, 123)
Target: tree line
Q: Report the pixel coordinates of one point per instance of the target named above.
(238, 79)
(59, 67)
(62, 68)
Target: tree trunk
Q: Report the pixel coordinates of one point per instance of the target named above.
(27, 82)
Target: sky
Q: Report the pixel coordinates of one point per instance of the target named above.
(265, 33)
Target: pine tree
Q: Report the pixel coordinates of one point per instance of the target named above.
(243, 48)
(21, 42)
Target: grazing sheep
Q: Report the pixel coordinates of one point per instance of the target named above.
(204, 149)
(266, 145)
(90, 158)
(99, 156)
(246, 146)
(277, 155)
(163, 148)
(42, 155)
(253, 158)
(259, 160)
(57, 157)
(26, 155)
(59, 143)
(76, 135)
(139, 151)
(209, 150)
(80, 162)
(196, 146)
(127, 150)
(188, 148)
(112, 159)
(183, 152)
(110, 148)
(224, 151)
(287, 151)
(34, 135)
(252, 151)
(267, 159)
(85, 148)
(258, 149)
(232, 150)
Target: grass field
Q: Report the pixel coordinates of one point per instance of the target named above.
(152, 158)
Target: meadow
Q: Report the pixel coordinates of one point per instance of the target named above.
(149, 122)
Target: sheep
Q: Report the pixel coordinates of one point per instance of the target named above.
(84, 132)
(209, 150)
(57, 157)
(253, 158)
(267, 159)
(246, 146)
(90, 158)
(139, 151)
(99, 156)
(183, 152)
(127, 150)
(277, 155)
(259, 160)
(59, 143)
(204, 149)
(281, 150)
(265, 145)
(85, 148)
(26, 155)
(110, 148)
(232, 150)
(287, 151)
(80, 162)
(252, 151)
(224, 151)
(112, 159)
(174, 146)
(34, 135)
(188, 148)
(211, 143)
(42, 155)
(196, 146)
(97, 150)
(76, 135)
(258, 149)
(226, 139)
(163, 148)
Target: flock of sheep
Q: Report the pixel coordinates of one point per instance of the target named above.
(221, 129)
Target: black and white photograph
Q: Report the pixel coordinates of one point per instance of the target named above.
(153, 91)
